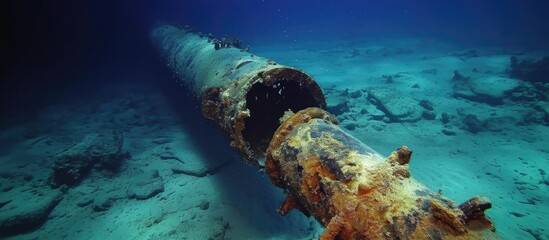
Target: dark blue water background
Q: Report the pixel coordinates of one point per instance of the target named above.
(52, 47)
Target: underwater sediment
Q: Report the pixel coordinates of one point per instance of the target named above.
(274, 111)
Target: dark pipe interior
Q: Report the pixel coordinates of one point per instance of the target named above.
(267, 105)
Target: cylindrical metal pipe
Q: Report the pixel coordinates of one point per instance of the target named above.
(245, 94)
(348, 187)
(356, 193)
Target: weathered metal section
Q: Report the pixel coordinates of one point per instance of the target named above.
(358, 194)
(243, 93)
(347, 186)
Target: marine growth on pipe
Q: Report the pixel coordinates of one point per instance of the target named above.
(347, 186)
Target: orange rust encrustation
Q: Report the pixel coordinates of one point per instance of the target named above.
(357, 194)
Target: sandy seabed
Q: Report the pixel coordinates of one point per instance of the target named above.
(474, 135)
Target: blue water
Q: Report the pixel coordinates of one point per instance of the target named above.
(75, 68)
(64, 39)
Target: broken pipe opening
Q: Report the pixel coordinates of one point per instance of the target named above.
(280, 91)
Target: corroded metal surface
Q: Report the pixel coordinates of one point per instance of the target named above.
(347, 186)
(356, 193)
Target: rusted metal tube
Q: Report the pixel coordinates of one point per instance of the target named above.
(243, 93)
(358, 194)
(348, 187)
